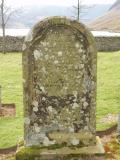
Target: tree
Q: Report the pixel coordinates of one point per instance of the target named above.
(80, 10)
(5, 13)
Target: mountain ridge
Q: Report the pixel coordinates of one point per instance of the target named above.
(109, 21)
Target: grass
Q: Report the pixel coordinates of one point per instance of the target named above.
(108, 88)
(108, 92)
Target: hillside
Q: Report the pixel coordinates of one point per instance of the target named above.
(110, 20)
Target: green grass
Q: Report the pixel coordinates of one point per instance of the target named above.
(108, 88)
(11, 129)
(108, 92)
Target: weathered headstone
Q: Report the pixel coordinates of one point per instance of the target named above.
(59, 65)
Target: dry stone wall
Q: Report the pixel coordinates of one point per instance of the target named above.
(108, 43)
(14, 44)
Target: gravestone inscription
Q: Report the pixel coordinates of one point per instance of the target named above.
(59, 65)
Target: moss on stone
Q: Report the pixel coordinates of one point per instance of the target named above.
(34, 153)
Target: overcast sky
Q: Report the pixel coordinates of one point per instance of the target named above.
(20, 3)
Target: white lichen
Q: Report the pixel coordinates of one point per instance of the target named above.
(43, 70)
(54, 44)
(43, 99)
(75, 93)
(37, 54)
(46, 57)
(75, 105)
(83, 99)
(35, 109)
(50, 108)
(47, 142)
(71, 129)
(85, 104)
(27, 120)
(75, 141)
(86, 128)
(60, 53)
(35, 103)
(80, 50)
(37, 129)
(44, 44)
(77, 45)
(42, 88)
(46, 49)
(82, 65)
(56, 62)
(84, 57)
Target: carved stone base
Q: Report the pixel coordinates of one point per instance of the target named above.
(59, 153)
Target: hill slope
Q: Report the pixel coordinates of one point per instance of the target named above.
(110, 20)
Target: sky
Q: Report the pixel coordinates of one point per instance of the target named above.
(21, 3)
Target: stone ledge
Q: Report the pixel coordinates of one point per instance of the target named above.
(64, 153)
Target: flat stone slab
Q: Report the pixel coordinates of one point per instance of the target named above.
(8, 110)
(58, 152)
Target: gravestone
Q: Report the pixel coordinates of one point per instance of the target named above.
(59, 71)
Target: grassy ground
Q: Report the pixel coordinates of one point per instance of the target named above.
(108, 93)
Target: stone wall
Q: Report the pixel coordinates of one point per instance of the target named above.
(108, 43)
(14, 44)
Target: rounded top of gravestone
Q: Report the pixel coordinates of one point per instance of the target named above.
(42, 26)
